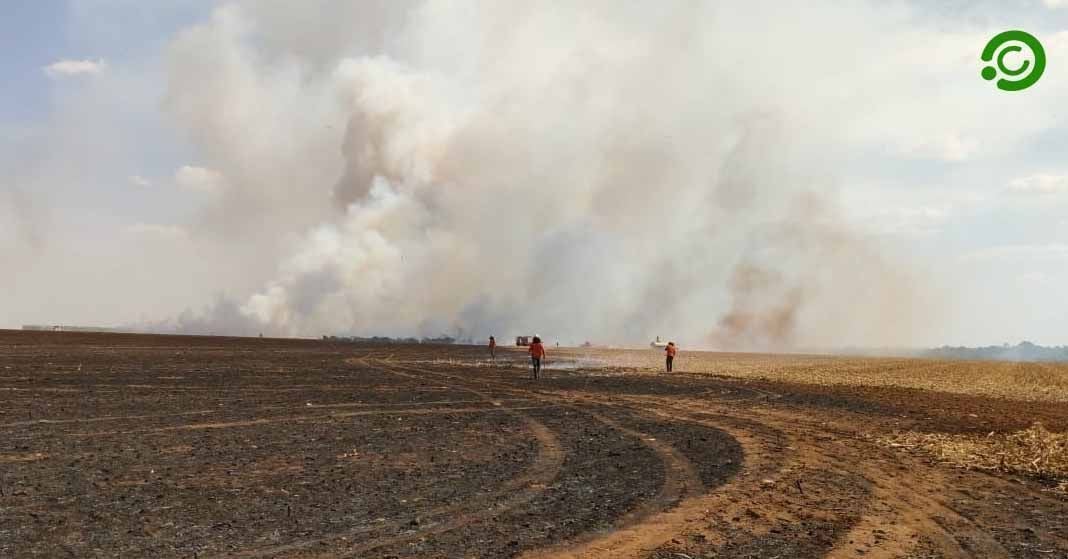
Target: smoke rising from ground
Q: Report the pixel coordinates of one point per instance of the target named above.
(589, 171)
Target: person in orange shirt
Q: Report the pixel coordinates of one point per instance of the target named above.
(493, 348)
(670, 352)
(537, 352)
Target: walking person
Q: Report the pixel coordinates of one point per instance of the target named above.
(537, 353)
(670, 352)
(493, 348)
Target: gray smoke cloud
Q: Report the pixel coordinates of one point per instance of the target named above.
(26, 218)
(600, 171)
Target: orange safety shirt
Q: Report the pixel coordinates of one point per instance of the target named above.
(537, 350)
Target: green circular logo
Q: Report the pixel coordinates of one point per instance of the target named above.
(1009, 42)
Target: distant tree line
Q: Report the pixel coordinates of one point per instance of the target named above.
(389, 340)
(1024, 351)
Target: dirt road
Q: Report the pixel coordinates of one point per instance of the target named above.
(143, 446)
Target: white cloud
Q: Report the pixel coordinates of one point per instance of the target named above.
(64, 68)
(138, 180)
(1042, 252)
(1038, 278)
(157, 231)
(1040, 184)
(910, 221)
(200, 179)
(950, 147)
(1055, 3)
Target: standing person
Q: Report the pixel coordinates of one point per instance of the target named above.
(493, 348)
(670, 352)
(537, 352)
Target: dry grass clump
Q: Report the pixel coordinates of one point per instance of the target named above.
(1034, 451)
(1046, 382)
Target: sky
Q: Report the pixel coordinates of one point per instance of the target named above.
(727, 174)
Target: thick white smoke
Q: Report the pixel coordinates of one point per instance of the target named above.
(588, 171)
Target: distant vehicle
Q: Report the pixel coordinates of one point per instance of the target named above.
(526, 340)
(657, 343)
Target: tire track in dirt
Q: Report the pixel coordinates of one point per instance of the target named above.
(897, 514)
(891, 497)
(310, 418)
(905, 504)
(900, 513)
(648, 524)
(103, 418)
(121, 388)
(735, 499)
(385, 408)
(640, 539)
(911, 500)
(647, 527)
(641, 529)
(511, 494)
(679, 473)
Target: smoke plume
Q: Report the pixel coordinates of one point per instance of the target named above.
(601, 171)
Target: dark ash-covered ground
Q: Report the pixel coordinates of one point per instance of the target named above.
(152, 446)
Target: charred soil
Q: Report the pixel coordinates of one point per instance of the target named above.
(154, 446)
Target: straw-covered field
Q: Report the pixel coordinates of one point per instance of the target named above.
(1034, 450)
(1045, 382)
(149, 446)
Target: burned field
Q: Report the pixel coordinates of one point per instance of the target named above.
(144, 446)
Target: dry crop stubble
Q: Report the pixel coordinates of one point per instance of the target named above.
(1035, 451)
(1043, 382)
